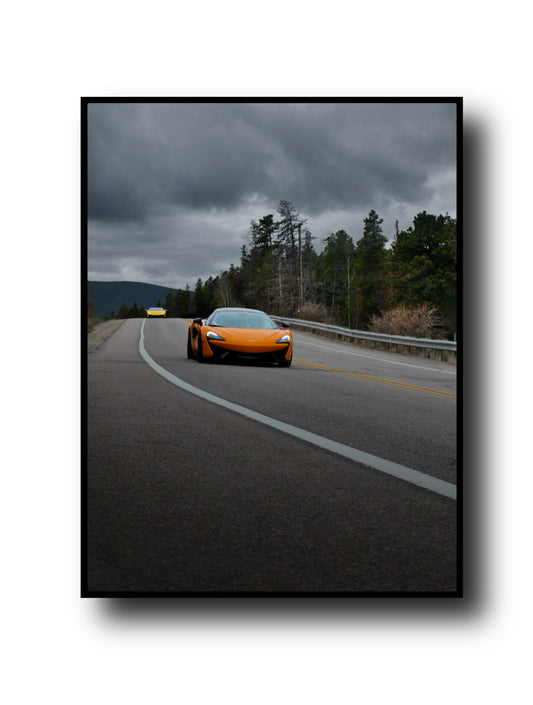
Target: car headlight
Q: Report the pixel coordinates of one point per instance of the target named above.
(284, 339)
(211, 335)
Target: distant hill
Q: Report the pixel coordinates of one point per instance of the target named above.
(108, 296)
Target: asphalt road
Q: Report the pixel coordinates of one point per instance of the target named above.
(186, 496)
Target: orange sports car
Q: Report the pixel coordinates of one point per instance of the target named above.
(239, 333)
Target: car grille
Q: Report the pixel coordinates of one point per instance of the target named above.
(221, 353)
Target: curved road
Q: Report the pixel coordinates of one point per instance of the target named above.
(185, 495)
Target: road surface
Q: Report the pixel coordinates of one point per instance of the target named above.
(191, 489)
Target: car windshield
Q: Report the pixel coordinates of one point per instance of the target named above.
(241, 319)
(156, 308)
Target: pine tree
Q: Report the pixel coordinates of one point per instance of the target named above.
(286, 247)
(370, 271)
(201, 306)
(309, 257)
(424, 263)
(334, 274)
(170, 304)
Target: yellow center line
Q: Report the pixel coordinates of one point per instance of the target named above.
(376, 379)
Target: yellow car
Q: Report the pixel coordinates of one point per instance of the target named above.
(156, 312)
(239, 333)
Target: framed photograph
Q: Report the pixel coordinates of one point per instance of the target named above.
(272, 364)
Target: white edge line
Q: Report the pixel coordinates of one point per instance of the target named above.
(414, 477)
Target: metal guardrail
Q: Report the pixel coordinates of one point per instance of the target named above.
(426, 343)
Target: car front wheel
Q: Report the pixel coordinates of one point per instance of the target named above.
(199, 355)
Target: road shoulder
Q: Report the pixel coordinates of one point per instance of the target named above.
(101, 332)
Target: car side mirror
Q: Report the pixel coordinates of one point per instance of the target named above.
(197, 320)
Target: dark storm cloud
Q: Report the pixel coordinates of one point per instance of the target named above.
(144, 157)
(172, 187)
(335, 156)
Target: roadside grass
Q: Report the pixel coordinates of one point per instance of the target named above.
(91, 322)
(92, 318)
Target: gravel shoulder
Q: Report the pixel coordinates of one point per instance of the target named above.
(100, 333)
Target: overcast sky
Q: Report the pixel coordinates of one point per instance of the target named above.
(172, 187)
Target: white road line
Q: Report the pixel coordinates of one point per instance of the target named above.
(373, 357)
(414, 477)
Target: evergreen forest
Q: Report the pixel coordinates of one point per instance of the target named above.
(360, 284)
